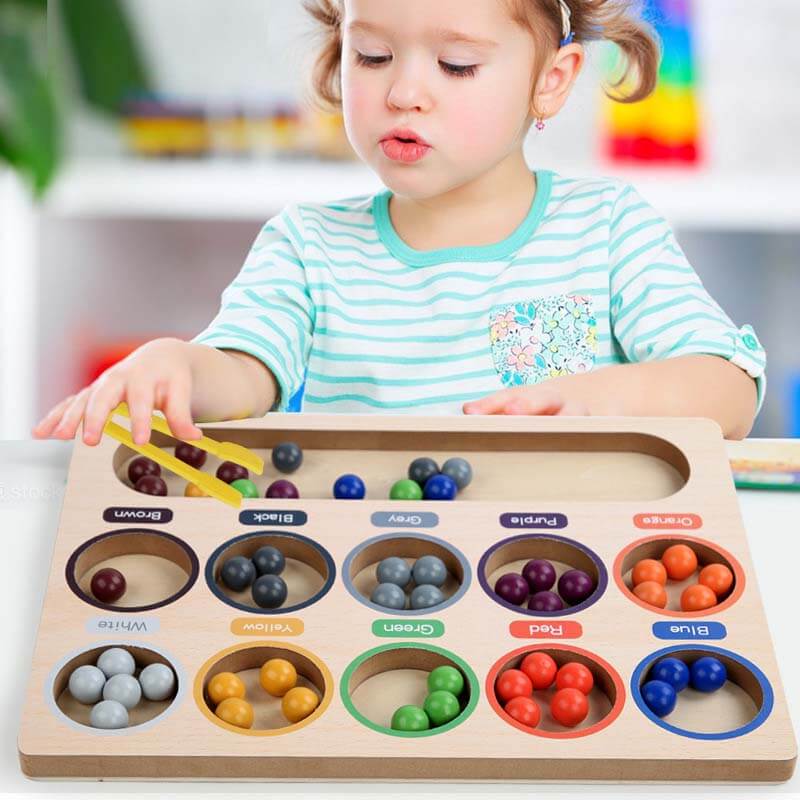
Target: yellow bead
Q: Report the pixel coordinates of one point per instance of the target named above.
(277, 676)
(235, 711)
(193, 490)
(298, 703)
(225, 685)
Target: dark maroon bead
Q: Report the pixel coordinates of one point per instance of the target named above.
(575, 586)
(191, 455)
(229, 472)
(151, 484)
(142, 466)
(540, 575)
(545, 601)
(108, 585)
(512, 588)
(282, 490)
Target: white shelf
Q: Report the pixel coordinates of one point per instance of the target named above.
(255, 189)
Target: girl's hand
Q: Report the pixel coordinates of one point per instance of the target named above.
(546, 399)
(156, 375)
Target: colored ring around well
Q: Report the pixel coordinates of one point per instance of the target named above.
(602, 576)
(215, 590)
(408, 612)
(472, 679)
(766, 689)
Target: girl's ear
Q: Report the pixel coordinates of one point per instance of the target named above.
(557, 80)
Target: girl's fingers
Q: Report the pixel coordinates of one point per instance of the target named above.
(493, 404)
(100, 405)
(45, 426)
(72, 416)
(177, 410)
(574, 408)
(140, 404)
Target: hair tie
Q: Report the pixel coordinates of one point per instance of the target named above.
(567, 34)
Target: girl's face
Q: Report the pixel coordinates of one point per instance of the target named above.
(456, 74)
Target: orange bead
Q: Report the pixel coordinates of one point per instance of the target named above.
(652, 593)
(680, 561)
(648, 569)
(298, 703)
(193, 490)
(697, 598)
(717, 577)
(236, 711)
(224, 685)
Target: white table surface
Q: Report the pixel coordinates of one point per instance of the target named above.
(32, 481)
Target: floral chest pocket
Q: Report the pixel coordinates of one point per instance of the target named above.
(543, 338)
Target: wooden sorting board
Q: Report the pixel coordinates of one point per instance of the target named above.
(594, 493)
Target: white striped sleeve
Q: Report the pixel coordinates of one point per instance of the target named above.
(659, 307)
(267, 310)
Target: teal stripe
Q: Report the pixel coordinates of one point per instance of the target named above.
(559, 181)
(373, 403)
(687, 270)
(270, 282)
(678, 301)
(265, 264)
(483, 352)
(580, 195)
(262, 346)
(370, 379)
(653, 287)
(671, 324)
(320, 229)
(633, 231)
(299, 242)
(363, 226)
(566, 237)
(636, 253)
(318, 332)
(581, 214)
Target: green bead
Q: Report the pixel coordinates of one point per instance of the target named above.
(406, 490)
(446, 678)
(410, 718)
(441, 707)
(245, 487)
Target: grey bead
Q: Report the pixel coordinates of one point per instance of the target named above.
(426, 596)
(394, 570)
(237, 573)
(86, 684)
(388, 595)
(421, 469)
(108, 714)
(287, 457)
(124, 689)
(429, 570)
(157, 681)
(459, 470)
(116, 661)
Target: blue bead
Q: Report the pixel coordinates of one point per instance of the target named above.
(672, 671)
(660, 697)
(708, 674)
(349, 487)
(440, 487)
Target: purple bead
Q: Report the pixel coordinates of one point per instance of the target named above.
(282, 490)
(151, 484)
(540, 574)
(140, 467)
(575, 586)
(545, 601)
(512, 588)
(191, 455)
(229, 472)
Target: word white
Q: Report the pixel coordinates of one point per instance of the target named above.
(423, 628)
(138, 626)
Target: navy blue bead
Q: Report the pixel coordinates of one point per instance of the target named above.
(672, 671)
(708, 674)
(660, 697)
(440, 487)
(349, 487)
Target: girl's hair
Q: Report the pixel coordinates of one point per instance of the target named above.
(592, 20)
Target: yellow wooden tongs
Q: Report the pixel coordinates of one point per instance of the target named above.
(227, 451)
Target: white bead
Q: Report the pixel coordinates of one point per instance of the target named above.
(116, 661)
(86, 684)
(109, 714)
(124, 689)
(158, 681)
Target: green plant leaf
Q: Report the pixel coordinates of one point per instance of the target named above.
(30, 133)
(110, 66)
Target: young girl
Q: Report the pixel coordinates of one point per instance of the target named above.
(473, 284)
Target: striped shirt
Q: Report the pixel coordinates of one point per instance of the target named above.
(351, 319)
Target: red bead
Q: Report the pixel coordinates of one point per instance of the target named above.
(569, 707)
(513, 683)
(524, 710)
(540, 668)
(108, 585)
(574, 675)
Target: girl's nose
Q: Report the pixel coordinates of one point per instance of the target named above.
(409, 91)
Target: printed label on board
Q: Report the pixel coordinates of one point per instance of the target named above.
(567, 629)
(660, 522)
(122, 625)
(394, 629)
(250, 626)
(405, 519)
(123, 514)
(529, 520)
(292, 518)
(689, 630)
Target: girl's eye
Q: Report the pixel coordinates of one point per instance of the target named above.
(455, 70)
